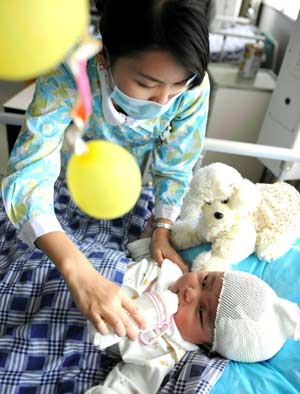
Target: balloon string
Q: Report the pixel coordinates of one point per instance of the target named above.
(83, 108)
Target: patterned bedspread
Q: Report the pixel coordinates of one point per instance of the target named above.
(44, 346)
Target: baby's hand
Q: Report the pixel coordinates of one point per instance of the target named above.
(162, 249)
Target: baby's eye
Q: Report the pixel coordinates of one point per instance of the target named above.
(204, 281)
(201, 314)
(225, 201)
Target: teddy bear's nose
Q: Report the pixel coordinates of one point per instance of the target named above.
(218, 215)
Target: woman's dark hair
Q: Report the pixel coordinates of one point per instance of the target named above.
(177, 26)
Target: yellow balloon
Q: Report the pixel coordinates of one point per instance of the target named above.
(35, 35)
(105, 182)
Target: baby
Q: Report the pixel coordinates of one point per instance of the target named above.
(234, 313)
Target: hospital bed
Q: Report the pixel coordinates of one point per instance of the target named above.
(229, 35)
(44, 345)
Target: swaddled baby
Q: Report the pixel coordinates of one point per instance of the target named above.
(234, 313)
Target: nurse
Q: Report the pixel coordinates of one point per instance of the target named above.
(150, 95)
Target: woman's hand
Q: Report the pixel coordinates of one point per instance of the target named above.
(100, 301)
(161, 249)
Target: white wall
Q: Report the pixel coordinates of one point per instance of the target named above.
(228, 7)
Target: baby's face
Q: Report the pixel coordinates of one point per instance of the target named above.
(198, 294)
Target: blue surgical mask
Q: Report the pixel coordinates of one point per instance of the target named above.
(141, 109)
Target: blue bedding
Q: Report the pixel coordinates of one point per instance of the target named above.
(44, 346)
(281, 374)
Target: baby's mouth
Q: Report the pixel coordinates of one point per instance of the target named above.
(173, 290)
(177, 292)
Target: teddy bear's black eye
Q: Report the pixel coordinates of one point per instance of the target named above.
(208, 202)
(225, 201)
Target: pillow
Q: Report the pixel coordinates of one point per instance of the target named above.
(281, 374)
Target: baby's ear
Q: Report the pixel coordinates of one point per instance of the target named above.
(246, 196)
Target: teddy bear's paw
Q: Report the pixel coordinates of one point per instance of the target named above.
(272, 248)
(266, 255)
(271, 253)
(184, 235)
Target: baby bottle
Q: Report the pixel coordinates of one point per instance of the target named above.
(157, 307)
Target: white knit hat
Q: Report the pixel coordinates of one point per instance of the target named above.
(252, 322)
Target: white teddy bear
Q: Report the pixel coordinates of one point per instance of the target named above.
(237, 217)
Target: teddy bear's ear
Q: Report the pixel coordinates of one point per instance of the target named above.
(246, 196)
(191, 207)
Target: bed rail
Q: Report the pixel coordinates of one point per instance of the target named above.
(210, 144)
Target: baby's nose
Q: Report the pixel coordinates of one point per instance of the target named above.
(218, 215)
(189, 294)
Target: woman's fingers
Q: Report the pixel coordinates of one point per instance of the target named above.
(166, 251)
(120, 328)
(176, 259)
(131, 328)
(134, 312)
(99, 324)
(127, 320)
(115, 322)
(158, 256)
(105, 320)
(124, 321)
(104, 303)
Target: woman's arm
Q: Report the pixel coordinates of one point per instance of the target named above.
(173, 164)
(28, 195)
(162, 249)
(99, 300)
(175, 158)
(35, 163)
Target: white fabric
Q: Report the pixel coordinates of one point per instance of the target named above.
(38, 226)
(252, 322)
(144, 364)
(139, 250)
(166, 211)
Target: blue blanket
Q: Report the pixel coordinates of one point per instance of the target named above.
(44, 346)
